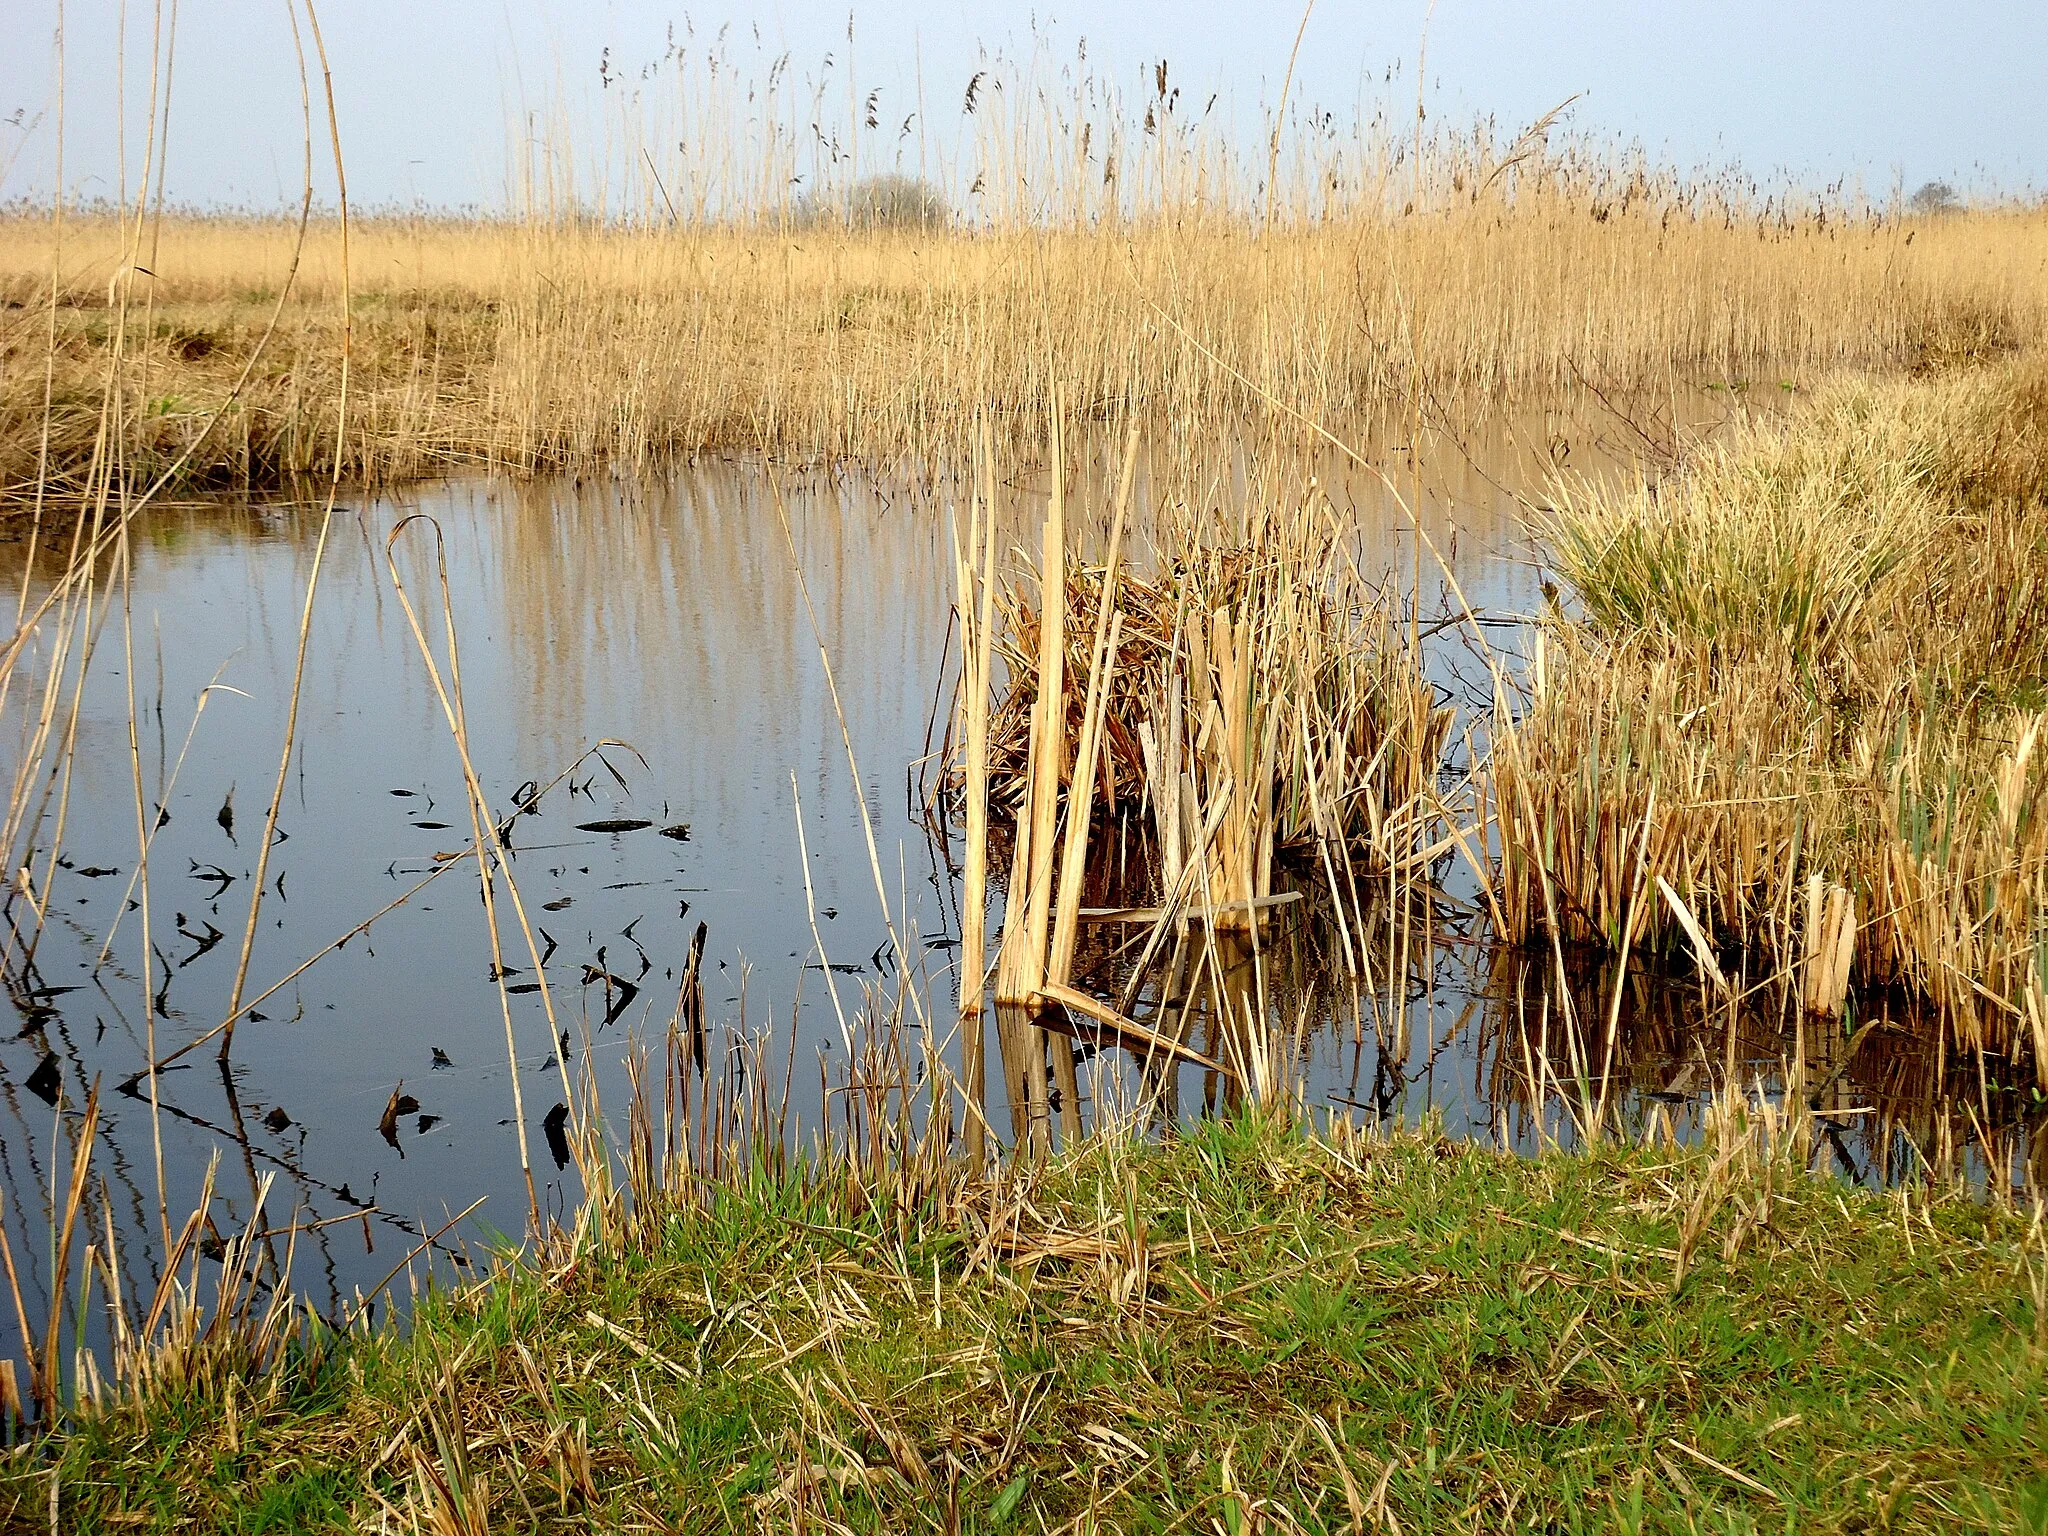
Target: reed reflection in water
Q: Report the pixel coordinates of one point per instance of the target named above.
(666, 615)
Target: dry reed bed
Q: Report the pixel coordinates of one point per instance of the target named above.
(531, 344)
(1807, 696)
(1271, 658)
(1254, 702)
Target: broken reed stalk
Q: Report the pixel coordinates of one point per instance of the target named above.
(1021, 961)
(486, 840)
(1074, 855)
(1048, 863)
(974, 574)
(1109, 622)
(1046, 760)
(291, 724)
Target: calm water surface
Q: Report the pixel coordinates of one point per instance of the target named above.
(667, 618)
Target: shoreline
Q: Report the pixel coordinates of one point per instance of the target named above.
(1240, 1326)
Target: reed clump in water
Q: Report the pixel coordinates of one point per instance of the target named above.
(1250, 715)
(1807, 696)
(1269, 662)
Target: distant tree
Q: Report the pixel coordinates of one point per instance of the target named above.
(1934, 197)
(887, 201)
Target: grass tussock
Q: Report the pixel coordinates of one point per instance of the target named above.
(1808, 696)
(1238, 1331)
(530, 344)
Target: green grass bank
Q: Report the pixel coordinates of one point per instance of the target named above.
(1239, 1331)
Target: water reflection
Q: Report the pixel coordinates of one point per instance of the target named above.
(374, 1090)
(665, 616)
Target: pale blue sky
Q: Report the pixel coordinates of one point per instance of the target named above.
(1809, 90)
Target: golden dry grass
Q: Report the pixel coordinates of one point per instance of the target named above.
(1304, 665)
(531, 344)
(1812, 663)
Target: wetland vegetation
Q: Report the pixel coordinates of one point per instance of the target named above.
(1236, 1330)
(1348, 617)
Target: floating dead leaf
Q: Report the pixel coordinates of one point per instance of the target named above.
(213, 873)
(554, 1127)
(613, 824)
(619, 992)
(402, 1103)
(45, 1082)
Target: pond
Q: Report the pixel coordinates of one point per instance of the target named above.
(683, 623)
